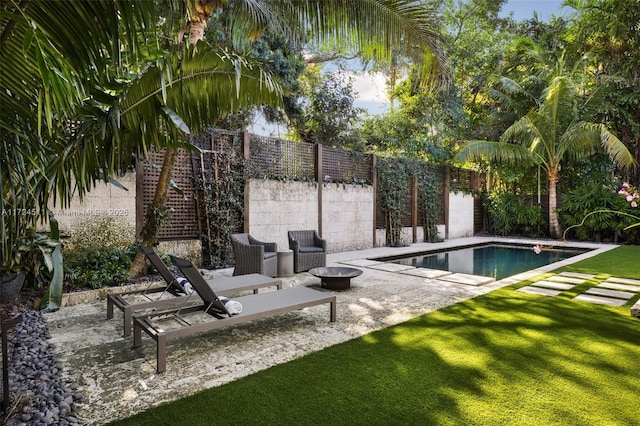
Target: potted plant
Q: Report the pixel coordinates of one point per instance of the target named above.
(26, 254)
(14, 234)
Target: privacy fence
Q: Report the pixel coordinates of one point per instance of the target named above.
(214, 182)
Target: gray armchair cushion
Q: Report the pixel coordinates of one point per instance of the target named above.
(253, 256)
(309, 250)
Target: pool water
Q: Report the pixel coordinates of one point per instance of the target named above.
(493, 260)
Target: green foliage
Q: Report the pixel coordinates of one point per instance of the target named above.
(608, 31)
(102, 231)
(429, 179)
(98, 267)
(332, 113)
(591, 212)
(509, 215)
(393, 176)
(221, 184)
(99, 252)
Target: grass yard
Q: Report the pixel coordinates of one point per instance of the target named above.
(505, 358)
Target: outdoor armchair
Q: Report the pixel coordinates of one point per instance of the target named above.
(309, 250)
(254, 256)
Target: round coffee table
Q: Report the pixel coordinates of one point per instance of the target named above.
(335, 277)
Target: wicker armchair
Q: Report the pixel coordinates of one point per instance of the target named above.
(309, 250)
(253, 256)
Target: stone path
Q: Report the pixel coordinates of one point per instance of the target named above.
(613, 291)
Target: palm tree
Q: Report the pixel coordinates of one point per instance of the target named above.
(79, 102)
(372, 29)
(553, 131)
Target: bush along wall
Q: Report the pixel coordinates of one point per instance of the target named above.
(510, 215)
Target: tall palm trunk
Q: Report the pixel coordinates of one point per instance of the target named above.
(554, 223)
(156, 212)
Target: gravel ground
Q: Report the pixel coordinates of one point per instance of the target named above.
(38, 395)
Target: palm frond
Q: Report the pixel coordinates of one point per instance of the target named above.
(478, 150)
(374, 29)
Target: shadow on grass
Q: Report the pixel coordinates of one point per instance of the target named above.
(502, 358)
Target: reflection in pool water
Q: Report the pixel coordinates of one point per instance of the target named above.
(493, 260)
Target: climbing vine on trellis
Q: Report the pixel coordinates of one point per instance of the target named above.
(219, 179)
(393, 183)
(430, 180)
(393, 175)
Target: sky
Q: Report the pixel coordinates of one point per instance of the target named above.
(371, 88)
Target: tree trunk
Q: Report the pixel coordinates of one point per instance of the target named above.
(554, 223)
(155, 214)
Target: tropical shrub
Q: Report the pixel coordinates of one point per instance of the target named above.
(98, 267)
(99, 253)
(594, 213)
(101, 231)
(510, 215)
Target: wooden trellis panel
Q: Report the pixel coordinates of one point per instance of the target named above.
(346, 166)
(182, 222)
(274, 158)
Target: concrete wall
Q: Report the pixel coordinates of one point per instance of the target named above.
(460, 215)
(280, 206)
(347, 217)
(104, 200)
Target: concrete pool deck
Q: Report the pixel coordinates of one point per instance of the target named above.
(118, 381)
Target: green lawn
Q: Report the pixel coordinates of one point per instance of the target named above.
(503, 358)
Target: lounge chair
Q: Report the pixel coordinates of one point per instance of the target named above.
(309, 250)
(254, 256)
(177, 294)
(254, 306)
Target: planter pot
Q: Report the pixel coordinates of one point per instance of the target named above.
(10, 286)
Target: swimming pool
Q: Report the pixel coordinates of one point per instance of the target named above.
(489, 260)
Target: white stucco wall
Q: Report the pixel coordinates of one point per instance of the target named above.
(460, 215)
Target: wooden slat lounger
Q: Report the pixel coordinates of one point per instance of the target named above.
(223, 286)
(254, 306)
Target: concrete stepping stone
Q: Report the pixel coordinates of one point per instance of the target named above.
(623, 281)
(565, 279)
(577, 275)
(361, 262)
(553, 285)
(623, 287)
(610, 293)
(467, 279)
(600, 300)
(390, 267)
(426, 273)
(635, 309)
(539, 290)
